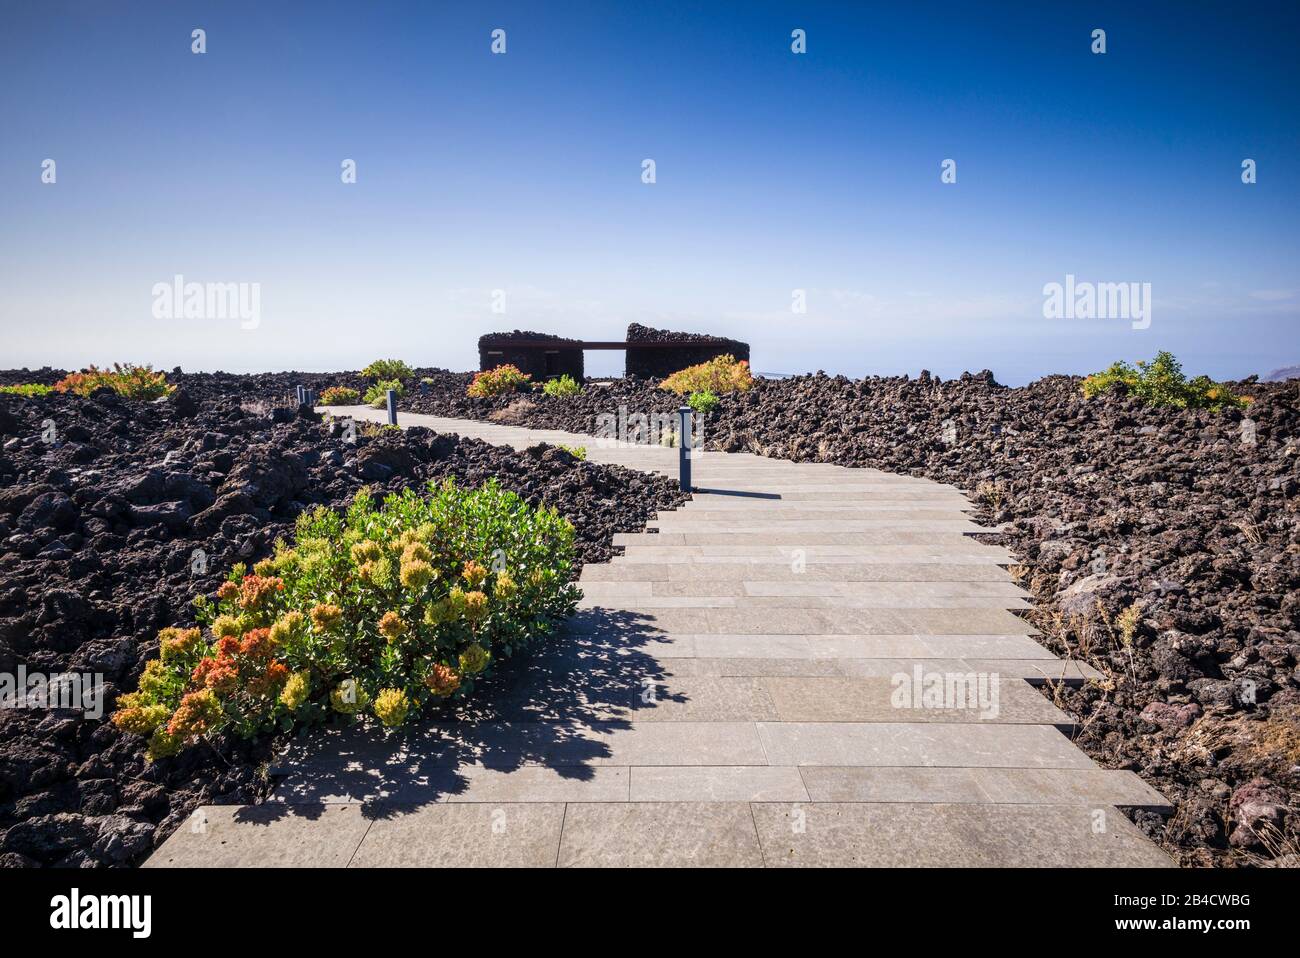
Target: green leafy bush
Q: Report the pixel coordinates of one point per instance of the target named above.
(377, 394)
(722, 374)
(498, 381)
(383, 610)
(387, 369)
(339, 396)
(703, 402)
(577, 452)
(126, 379)
(566, 385)
(27, 389)
(1161, 382)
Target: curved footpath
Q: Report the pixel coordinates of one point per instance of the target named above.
(805, 665)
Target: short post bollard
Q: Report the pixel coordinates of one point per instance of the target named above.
(392, 407)
(684, 447)
(301, 397)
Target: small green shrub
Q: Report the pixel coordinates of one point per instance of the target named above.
(565, 386)
(1161, 382)
(499, 381)
(377, 395)
(703, 402)
(387, 369)
(382, 610)
(339, 396)
(577, 452)
(27, 389)
(722, 374)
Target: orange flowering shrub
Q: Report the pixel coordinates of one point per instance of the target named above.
(133, 382)
(381, 611)
(494, 382)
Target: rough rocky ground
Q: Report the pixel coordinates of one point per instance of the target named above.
(109, 529)
(1162, 545)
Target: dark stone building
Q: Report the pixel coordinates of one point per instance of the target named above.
(541, 355)
(659, 353)
(650, 352)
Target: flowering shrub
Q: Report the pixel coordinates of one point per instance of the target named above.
(339, 396)
(566, 385)
(133, 382)
(377, 395)
(27, 389)
(387, 369)
(1161, 382)
(383, 610)
(722, 374)
(703, 402)
(495, 382)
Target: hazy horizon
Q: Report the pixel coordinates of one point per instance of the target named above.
(779, 176)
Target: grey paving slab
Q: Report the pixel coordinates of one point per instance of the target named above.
(1016, 786)
(910, 835)
(491, 835)
(603, 599)
(881, 743)
(812, 574)
(758, 621)
(660, 834)
(1056, 786)
(892, 783)
(415, 783)
(793, 538)
(264, 836)
(968, 697)
(727, 783)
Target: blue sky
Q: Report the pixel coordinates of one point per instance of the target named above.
(775, 172)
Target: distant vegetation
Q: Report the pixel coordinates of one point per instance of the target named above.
(723, 374)
(703, 402)
(1161, 382)
(27, 389)
(566, 385)
(377, 395)
(498, 382)
(125, 379)
(387, 369)
(340, 396)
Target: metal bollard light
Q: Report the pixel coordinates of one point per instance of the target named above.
(301, 397)
(392, 407)
(684, 440)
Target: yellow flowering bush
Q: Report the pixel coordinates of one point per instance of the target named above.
(722, 374)
(382, 610)
(1161, 382)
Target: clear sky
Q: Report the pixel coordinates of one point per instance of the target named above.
(775, 172)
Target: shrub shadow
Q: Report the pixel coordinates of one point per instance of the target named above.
(555, 705)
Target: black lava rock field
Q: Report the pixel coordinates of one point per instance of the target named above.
(115, 513)
(1162, 545)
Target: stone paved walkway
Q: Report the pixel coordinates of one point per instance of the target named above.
(726, 696)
